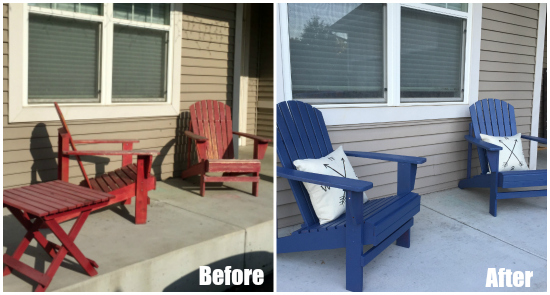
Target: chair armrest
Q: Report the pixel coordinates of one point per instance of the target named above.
(347, 184)
(111, 153)
(482, 144)
(387, 157)
(254, 137)
(196, 137)
(534, 138)
(87, 141)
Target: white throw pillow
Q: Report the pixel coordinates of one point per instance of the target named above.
(511, 156)
(328, 202)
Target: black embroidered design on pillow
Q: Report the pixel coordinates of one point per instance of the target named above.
(343, 197)
(505, 164)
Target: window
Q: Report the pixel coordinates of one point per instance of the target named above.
(104, 60)
(376, 54)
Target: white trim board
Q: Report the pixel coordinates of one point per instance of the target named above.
(20, 111)
(537, 86)
(393, 111)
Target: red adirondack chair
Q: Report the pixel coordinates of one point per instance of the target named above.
(124, 183)
(211, 128)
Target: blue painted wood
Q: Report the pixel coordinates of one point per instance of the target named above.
(534, 138)
(348, 184)
(497, 118)
(302, 134)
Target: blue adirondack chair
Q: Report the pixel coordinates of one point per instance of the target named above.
(497, 118)
(302, 134)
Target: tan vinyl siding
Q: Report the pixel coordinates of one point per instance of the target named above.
(508, 45)
(507, 59)
(208, 30)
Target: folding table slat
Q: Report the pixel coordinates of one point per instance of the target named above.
(49, 204)
(57, 199)
(32, 201)
(24, 206)
(85, 191)
(46, 192)
(73, 190)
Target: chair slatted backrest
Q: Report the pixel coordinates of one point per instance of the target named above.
(301, 134)
(492, 117)
(71, 142)
(212, 119)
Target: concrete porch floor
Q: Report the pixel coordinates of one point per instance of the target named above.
(454, 240)
(229, 226)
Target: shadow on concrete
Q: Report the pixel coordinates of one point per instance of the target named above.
(13, 233)
(190, 282)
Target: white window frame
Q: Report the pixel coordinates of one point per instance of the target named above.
(393, 110)
(21, 111)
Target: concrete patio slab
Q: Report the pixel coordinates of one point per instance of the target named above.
(184, 231)
(453, 242)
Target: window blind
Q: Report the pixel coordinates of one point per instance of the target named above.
(139, 64)
(337, 52)
(63, 60)
(432, 50)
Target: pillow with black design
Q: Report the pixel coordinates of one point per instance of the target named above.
(328, 202)
(511, 157)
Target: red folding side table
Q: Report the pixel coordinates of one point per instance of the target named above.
(38, 206)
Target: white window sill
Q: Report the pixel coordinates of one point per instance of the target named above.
(47, 112)
(366, 115)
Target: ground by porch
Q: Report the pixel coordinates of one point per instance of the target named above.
(454, 241)
(229, 226)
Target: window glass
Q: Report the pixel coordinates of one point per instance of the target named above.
(88, 8)
(337, 52)
(139, 64)
(453, 6)
(432, 56)
(63, 59)
(143, 12)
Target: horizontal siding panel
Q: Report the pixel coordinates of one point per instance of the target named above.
(194, 53)
(192, 79)
(206, 63)
(519, 99)
(208, 29)
(505, 77)
(508, 38)
(200, 71)
(506, 67)
(201, 45)
(491, 14)
(507, 57)
(497, 26)
(513, 9)
(221, 39)
(208, 12)
(507, 48)
(208, 21)
(503, 86)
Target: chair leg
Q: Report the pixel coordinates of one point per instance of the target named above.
(255, 185)
(493, 201)
(354, 269)
(404, 240)
(203, 185)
